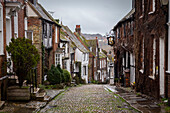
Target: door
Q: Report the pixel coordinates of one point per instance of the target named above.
(161, 65)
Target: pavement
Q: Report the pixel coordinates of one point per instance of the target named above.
(141, 102)
(88, 99)
(29, 106)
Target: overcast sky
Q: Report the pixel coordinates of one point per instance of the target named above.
(94, 16)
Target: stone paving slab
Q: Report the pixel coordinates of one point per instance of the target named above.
(142, 103)
(30, 106)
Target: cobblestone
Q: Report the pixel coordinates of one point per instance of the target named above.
(88, 98)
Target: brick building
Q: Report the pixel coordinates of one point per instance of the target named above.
(11, 26)
(123, 47)
(44, 31)
(150, 37)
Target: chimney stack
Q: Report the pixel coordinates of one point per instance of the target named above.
(78, 29)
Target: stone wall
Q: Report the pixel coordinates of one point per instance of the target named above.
(35, 25)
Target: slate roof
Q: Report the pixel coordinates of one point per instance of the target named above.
(128, 16)
(74, 41)
(43, 13)
(63, 36)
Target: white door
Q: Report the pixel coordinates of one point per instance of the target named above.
(161, 65)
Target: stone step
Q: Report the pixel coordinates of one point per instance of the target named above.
(40, 96)
(46, 98)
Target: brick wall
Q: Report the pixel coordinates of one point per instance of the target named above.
(148, 26)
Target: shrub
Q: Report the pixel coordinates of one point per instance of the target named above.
(24, 55)
(77, 80)
(54, 75)
(82, 81)
(67, 76)
(61, 72)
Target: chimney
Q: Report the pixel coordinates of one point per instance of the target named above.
(78, 29)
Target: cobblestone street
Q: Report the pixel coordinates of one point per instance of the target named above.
(88, 98)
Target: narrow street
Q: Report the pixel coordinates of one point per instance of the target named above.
(87, 99)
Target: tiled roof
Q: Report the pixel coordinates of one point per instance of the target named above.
(74, 40)
(102, 55)
(43, 13)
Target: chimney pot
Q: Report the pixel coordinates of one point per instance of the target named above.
(78, 29)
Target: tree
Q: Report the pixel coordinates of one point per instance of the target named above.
(24, 55)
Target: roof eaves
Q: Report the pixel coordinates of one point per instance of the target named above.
(125, 18)
(49, 15)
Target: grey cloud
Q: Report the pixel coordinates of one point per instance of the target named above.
(94, 16)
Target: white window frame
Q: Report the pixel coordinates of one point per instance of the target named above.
(26, 26)
(57, 59)
(16, 25)
(153, 7)
(1, 31)
(154, 56)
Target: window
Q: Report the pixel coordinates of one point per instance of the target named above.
(30, 35)
(84, 57)
(26, 26)
(1, 31)
(65, 64)
(124, 26)
(84, 70)
(100, 64)
(143, 52)
(118, 33)
(57, 59)
(16, 25)
(45, 29)
(56, 40)
(152, 6)
(94, 62)
(131, 28)
(142, 6)
(154, 55)
(50, 31)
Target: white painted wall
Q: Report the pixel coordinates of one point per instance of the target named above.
(30, 12)
(85, 63)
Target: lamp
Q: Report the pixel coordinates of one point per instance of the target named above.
(164, 2)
